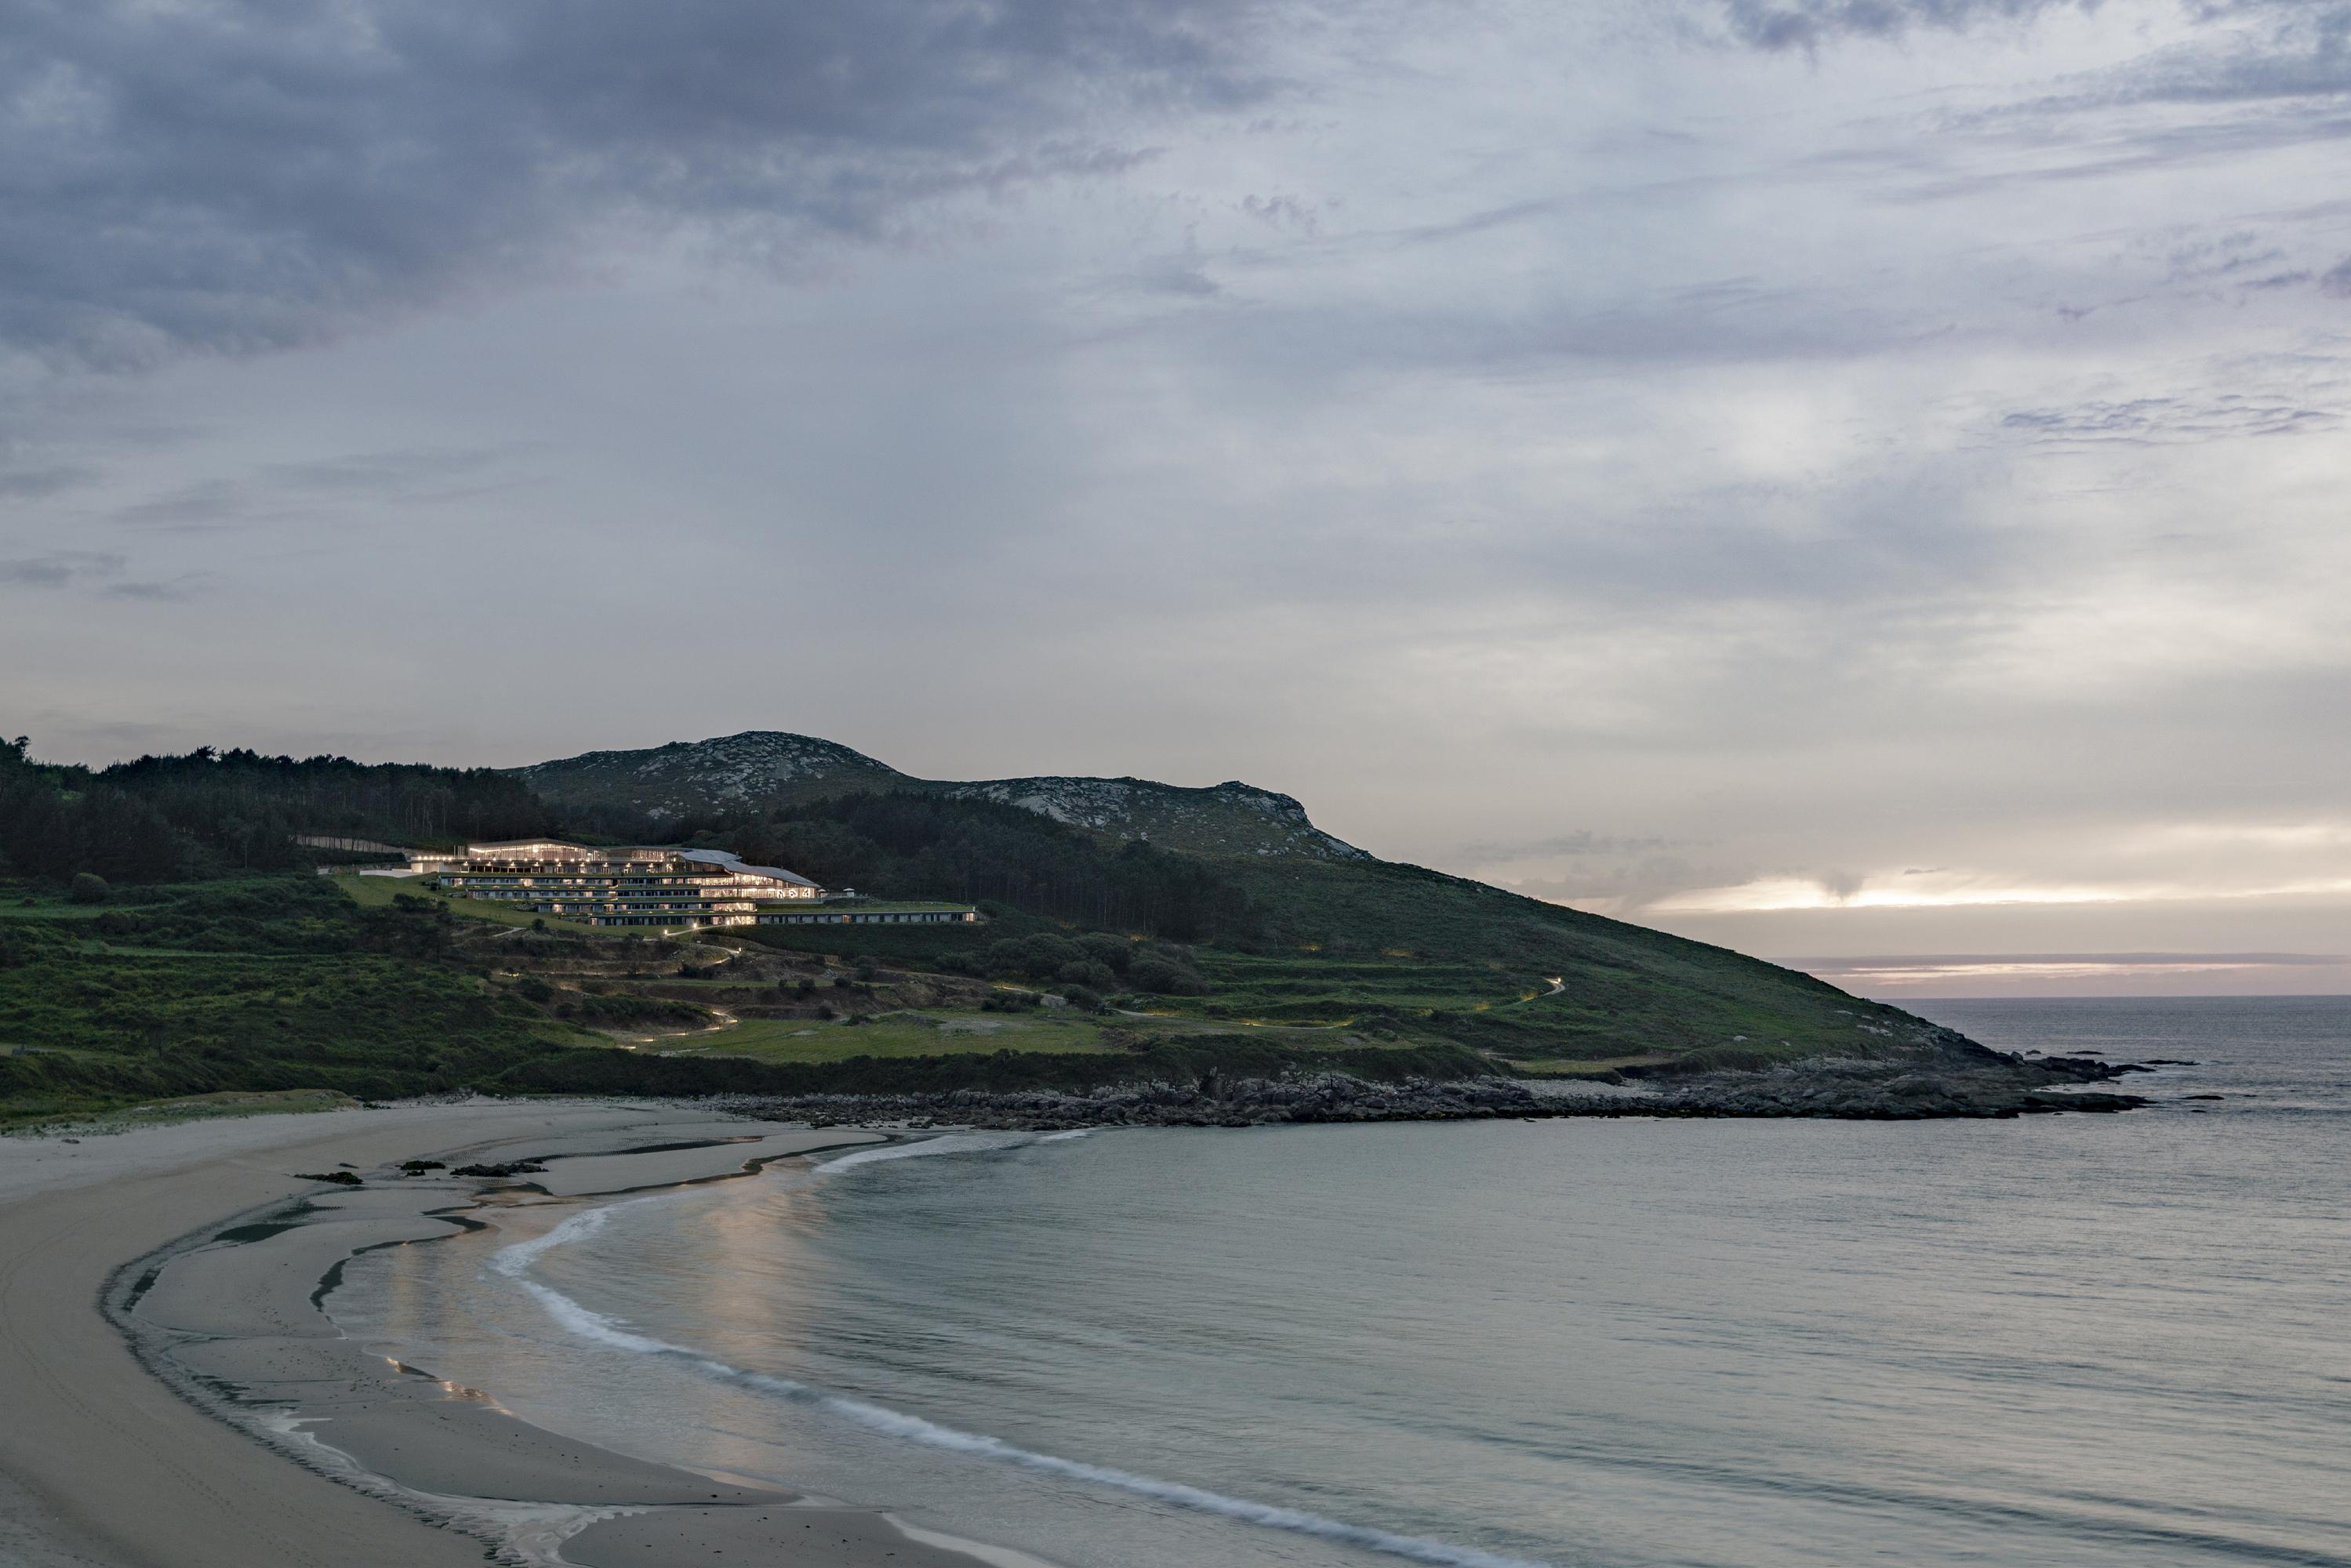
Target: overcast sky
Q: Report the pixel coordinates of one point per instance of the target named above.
(1845, 478)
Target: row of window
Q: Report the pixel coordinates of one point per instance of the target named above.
(920, 918)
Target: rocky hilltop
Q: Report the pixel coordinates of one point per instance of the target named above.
(1231, 818)
(754, 768)
(762, 768)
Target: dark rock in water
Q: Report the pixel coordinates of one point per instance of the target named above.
(2203, 1096)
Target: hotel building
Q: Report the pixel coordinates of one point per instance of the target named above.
(629, 886)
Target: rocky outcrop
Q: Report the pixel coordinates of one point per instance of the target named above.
(1916, 1089)
(1231, 818)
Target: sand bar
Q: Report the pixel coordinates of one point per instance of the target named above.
(102, 1465)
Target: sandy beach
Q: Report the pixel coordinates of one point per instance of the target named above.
(109, 1459)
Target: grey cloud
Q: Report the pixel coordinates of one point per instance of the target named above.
(247, 174)
(181, 587)
(36, 483)
(1179, 278)
(2336, 281)
(2165, 420)
(61, 567)
(201, 507)
(380, 471)
(282, 491)
(1581, 841)
(1808, 24)
(1631, 884)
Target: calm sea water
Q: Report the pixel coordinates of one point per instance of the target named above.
(2053, 1341)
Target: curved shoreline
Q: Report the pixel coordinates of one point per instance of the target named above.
(209, 1442)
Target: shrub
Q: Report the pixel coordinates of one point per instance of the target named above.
(535, 989)
(1083, 998)
(1164, 977)
(1113, 952)
(89, 888)
(1089, 973)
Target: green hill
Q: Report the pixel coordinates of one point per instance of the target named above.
(1283, 924)
(1235, 937)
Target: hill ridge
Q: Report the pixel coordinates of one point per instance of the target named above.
(763, 767)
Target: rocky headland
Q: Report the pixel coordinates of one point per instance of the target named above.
(1948, 1076)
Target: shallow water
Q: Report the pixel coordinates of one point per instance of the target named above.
(2051, 1341)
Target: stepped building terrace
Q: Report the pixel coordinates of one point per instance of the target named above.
(621, 887)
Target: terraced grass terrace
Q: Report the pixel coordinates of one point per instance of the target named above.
(384, 892)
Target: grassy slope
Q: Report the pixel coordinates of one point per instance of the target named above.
(1350, 937)
(1358, 945)
(380, 892)
(251, 985)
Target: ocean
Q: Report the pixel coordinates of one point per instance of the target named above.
(2053, 1341)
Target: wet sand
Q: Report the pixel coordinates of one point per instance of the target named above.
(113, 1457)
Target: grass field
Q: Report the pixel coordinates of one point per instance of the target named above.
(939, 1033)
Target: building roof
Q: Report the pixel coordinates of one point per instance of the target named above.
(725, 859)
(736, 863)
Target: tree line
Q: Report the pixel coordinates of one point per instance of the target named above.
(166, 819)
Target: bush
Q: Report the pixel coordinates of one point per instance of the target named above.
(1113, 952)
(535, 989)
(89, 888)
(1083, 998)
(1088, 973)
(1164, 978)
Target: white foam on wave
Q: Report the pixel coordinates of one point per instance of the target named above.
(949, 1144)
(602, 1329)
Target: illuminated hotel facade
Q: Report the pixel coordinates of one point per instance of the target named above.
(623, 886)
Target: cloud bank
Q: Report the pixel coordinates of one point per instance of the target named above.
(239, 175)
